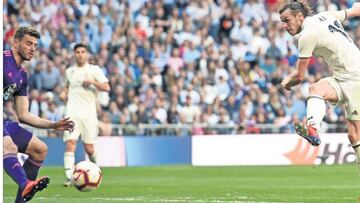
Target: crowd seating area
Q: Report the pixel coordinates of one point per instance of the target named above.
(213, 66)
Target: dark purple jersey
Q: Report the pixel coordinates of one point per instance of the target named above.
(15, 84)
(15, 77)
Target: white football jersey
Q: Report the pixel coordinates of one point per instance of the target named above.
(324, 36)
(82, 101)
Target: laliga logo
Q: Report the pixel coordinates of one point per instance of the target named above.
(305, 154)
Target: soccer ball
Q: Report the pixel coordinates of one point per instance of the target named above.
(86, 176)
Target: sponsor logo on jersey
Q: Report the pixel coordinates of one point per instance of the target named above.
(9, 91)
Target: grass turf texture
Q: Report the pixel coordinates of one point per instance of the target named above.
(337, 183)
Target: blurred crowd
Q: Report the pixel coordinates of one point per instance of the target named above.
(196, 62)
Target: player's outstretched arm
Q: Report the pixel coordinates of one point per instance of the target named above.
(298, 76)
(353, 11)
(24, 116)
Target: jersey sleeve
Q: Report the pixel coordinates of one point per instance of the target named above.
(307, 43)
(340, 15)
(99, 75)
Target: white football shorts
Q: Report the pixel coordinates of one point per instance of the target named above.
(348, 93)
(86, 129)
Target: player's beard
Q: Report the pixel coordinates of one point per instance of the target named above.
(23, 55)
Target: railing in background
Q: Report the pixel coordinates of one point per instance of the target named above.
(196, 129)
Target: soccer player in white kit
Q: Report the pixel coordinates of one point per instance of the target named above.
(82, 82)
(322, 35)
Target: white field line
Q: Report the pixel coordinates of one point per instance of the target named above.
(239, 199)
(142, 199)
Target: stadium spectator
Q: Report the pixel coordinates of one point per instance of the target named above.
(50, 76)
(189, 112)
(105, 125)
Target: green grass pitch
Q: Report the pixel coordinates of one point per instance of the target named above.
(337, 183)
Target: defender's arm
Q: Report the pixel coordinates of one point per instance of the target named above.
(21, 108)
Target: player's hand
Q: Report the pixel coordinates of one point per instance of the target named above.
(286, 83)
(87, 83)
(63, 96)
(64, 124)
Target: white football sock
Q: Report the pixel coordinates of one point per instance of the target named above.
(69, 161)
(315, 111)
(93, 158)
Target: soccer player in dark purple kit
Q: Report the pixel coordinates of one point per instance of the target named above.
(15, 138)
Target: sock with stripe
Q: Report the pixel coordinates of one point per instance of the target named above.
(31, 168)
(14, 169)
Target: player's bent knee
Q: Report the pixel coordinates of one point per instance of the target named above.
(314, 89)
(40, 152)
(43, 150)
(353, 138)
(70, 146)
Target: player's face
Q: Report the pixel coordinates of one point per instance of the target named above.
(291, 23)
(81, 56)
(26, 47)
